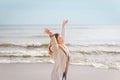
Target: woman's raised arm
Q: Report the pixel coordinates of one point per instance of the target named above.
(63, 29)
(53, 40)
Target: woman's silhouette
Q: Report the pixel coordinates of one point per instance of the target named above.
(59, 52)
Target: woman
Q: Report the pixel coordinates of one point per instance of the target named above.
(59, 52)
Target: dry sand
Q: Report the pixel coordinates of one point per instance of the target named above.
(35, 71)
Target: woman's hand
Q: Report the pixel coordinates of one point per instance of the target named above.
(64, 23)
(48, 31)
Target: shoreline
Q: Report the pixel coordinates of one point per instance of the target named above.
(42, 71)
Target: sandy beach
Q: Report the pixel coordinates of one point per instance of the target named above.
(35, 71)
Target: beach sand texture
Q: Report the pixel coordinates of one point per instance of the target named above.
(35, 71)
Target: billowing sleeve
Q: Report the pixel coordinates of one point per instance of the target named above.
(54, 44)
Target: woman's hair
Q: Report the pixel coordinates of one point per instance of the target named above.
(56, 35)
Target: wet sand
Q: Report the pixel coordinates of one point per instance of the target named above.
(37, 71)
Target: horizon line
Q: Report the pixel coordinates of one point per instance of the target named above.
(50, 24)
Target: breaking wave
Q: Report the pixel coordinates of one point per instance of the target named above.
(23, 45)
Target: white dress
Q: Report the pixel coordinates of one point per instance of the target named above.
(61, 59)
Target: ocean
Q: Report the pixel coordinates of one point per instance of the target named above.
(92, 45)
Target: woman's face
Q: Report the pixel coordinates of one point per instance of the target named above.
(60, 40)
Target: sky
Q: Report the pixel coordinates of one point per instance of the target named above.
(55, 11)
